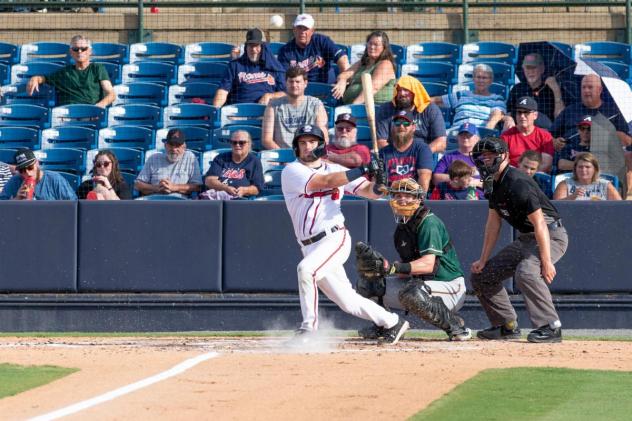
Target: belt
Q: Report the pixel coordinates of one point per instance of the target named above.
(321, 235)
(555, 225)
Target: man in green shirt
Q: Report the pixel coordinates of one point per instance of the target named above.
(81, 83)
(429, 281)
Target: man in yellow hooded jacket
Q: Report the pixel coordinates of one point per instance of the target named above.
(410, 95)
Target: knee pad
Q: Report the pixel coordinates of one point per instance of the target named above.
(414, 299)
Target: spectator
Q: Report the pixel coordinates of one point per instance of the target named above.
(286, 114)
(529, 162)
(5, 174)
(575, 145)
(480, 107)
(526, 135)
(377, 60)
(32, 182)
(175, 171)
(466, 138)
(546, 93)
(344, 149)
(236, 174)
(405, 158)
(107, 183)
(410, 95)
(79, 83)
(256, 76)
(459, 187)
(312, 52)
(585, 183)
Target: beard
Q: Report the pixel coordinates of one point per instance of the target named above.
(174, 157)
(403, 103)
(402, 138)
(342, 143)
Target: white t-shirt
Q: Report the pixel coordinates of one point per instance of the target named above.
(314, 211)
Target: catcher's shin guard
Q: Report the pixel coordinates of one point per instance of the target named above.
(433, 310)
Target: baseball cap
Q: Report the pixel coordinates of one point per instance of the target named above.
(255, 36)
(309, 130)
(585, 121)
(404, 114)
(469, 128)
(24, 158)
(346, 117)
(304, 20)
(175, 137)
(527, 103)
(532, 59)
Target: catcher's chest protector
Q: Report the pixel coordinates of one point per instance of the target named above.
(406, 237)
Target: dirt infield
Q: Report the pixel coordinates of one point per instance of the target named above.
(260, 378)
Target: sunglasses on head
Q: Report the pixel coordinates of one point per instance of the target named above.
(80, 49)
(404, 123)
(29, 168)
(239, 142)
(103, 164)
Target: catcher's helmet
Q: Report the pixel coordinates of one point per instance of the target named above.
(488, 144)
(403, 212)
(309, 130)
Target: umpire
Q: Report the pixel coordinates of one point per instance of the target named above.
(515, 197)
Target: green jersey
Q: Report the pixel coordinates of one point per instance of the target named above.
(433, 238)
(75, 86)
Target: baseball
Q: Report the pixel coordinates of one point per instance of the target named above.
(276, 21)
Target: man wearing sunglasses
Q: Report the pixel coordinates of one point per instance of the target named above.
(344, 149)
(33, 183)
(525, 135)
(79, 83)
(577, 144)
(406, 157)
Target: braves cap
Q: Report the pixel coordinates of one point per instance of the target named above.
(404, 115)
(305, 20)
(468, 128)
(585, 121)
(346, 117)
(255, 36)
(309, 130)
(175, 137)
(24, 158)
(527, 103)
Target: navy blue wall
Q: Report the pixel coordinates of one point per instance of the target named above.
(237, 247)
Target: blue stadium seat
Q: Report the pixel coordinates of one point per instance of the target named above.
(130, 179)
(363, 136)
(604, 51)
(189, 91)
(221, 136)
(190, 114)
(135, 115)
(69, 137)
(271, 197)
(272, 182)
(5, 74)
(503, 73)
(110, 52)
(544, 181)
(436, 88)
(9, 53)
(130, 160)
(207, 157)
(321, 91)
(73, 179)
(25, 115)
(21, 73)
(431, 72)
(114, 71)
(52, 52)
(19, 137)
(208, 51)
(16, 94)
(490, 51)
(8, 155)
(275, 47)
(149, 71)
(164, 52)
(346, 49)
(202, 71)
(275, 159)
(63, 159)
(356, 110)
(84, 115)
(249, 114)
(442, 52)
(141, 93)
(136, 137)
(197, 138)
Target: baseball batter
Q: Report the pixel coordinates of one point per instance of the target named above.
(313, 189)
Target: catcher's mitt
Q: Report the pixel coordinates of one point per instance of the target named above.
(369, 262)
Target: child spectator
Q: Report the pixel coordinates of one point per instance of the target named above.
(459, 187)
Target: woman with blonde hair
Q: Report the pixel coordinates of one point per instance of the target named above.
(585, 183)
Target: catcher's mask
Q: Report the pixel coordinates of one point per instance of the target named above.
(493, 145)
(404, 211)
(313, 131)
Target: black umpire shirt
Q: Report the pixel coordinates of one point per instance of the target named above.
(516, 195)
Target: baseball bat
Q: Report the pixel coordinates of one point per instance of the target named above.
(369, 106)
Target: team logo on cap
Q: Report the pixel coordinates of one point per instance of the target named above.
(307, 128)
(587, 119)
(523, 102)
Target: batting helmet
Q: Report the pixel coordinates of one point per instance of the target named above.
(309, 130)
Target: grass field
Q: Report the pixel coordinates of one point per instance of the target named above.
(536, 394)
(15, 378)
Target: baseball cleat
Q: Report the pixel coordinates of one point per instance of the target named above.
(499, 333)
(301, 338)
(371, 332)
(545, 334)
(394, 334)
(463, 334)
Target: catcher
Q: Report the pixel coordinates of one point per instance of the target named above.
(429, 281)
